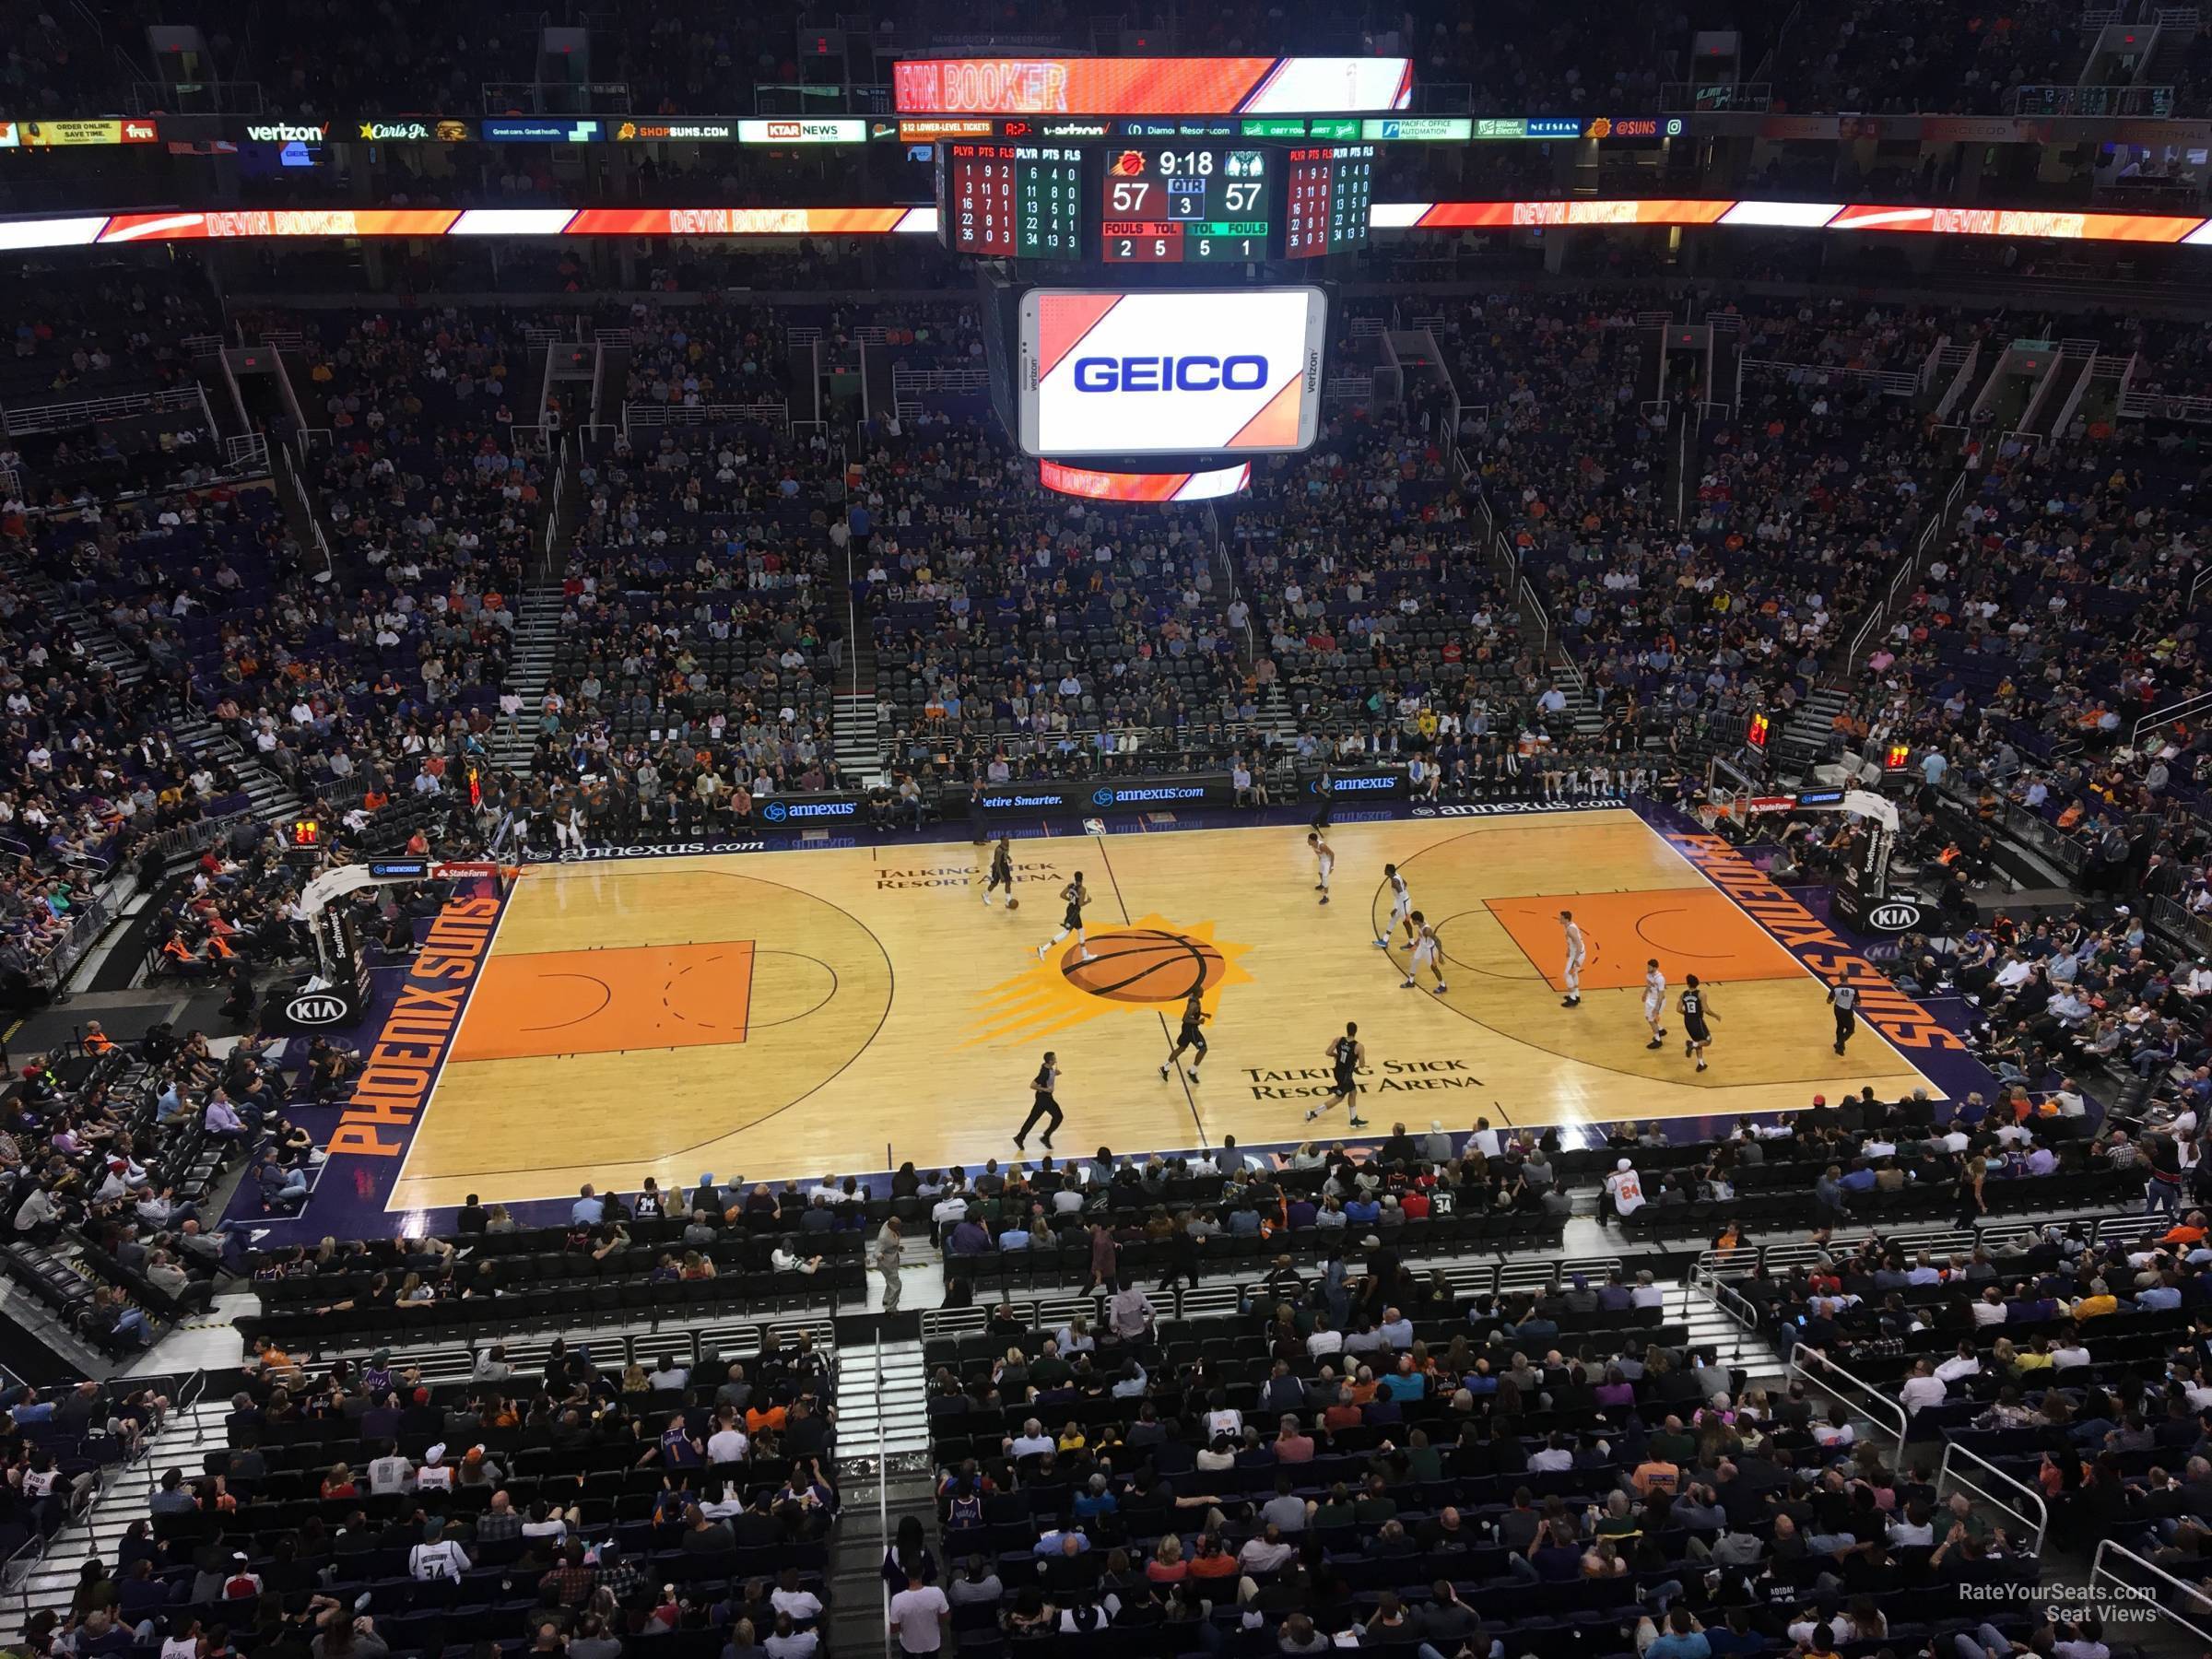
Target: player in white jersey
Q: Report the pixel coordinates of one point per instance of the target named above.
(1401, 909)
(1428, 952)
(1576, 954)
(1655, 1002)
(1325, 860)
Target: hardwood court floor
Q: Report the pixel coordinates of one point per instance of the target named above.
(773, 1015)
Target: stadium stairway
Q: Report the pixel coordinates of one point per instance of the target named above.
(1582, 707)
(855, 727)
(536, 633)
(882, 1409)
(98, 638)
(1805, 737)
(1732, 1344)
(120, 1497)
(198, 733)
(273, 798)
(858, 737)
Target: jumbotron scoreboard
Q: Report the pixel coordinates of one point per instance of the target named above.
(1161, 202)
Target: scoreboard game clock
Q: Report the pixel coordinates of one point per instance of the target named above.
(1011, 201)
(1185, 204)
(1152, 202)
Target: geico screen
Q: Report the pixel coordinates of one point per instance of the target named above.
(1158, 372)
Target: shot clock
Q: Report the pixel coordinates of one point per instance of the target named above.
(1184, 204)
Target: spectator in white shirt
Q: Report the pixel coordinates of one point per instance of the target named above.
(1922, 1388)
(789, 1596)
(1555, 1458)
(388, 1474)
(1625, 1188)
(1964, 1364)
(728, 1442)
(1267, 1553)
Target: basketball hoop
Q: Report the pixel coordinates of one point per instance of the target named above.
(1727, 795)
(1723, 804)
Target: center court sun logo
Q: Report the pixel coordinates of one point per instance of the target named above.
(1146, 967)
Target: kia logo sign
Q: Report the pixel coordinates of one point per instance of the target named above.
(1895, 915)
(316, 1008)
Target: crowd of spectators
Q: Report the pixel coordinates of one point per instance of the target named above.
(360, 1509)
(116, 1151)
(1370, 1460)
(408, 57)
(2072, 1364)
(1880, 56)
(111, 330)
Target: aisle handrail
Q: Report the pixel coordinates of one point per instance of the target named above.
(883, 1491)
(2039, 1522)
(1810, 1365)
(2099, 1572)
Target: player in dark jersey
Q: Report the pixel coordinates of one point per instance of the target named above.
(1001, 869)
(1078, 896)
(1345, 1054)
(1697, 1036)
(1190, 1037)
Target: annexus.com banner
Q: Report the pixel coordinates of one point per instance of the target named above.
(1097, 794)
(1355, 783)
(1174, 372)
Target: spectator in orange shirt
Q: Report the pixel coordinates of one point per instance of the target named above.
(1655, 1474)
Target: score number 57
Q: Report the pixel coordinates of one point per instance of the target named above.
(1126, 198)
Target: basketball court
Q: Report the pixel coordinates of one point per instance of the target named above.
(790, 1014)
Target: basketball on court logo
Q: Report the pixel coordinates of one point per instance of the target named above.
(1146, 967)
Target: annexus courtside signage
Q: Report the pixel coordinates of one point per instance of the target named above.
(1170, 371)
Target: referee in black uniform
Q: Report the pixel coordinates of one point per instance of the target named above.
(1048, 1076)
(1846, 1000)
